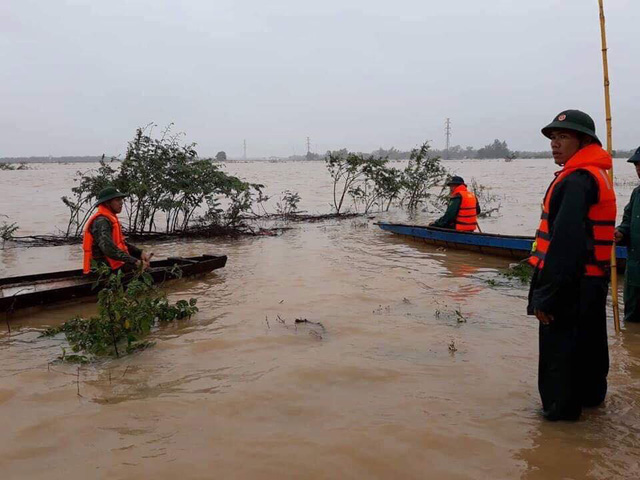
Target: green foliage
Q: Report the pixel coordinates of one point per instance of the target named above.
(166, 183)
(9, 166)
(126, 313)
(221, 156)
(490, 203)
(366, 179)
(421, 174)
(288, 203)
(7, 230)
(381, 185)
(522, 272)
(345, 169)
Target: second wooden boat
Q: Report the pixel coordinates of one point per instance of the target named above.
(512, 246)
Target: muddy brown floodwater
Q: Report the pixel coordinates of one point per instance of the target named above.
(394, 386)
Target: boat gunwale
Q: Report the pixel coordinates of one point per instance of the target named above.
(156, 266)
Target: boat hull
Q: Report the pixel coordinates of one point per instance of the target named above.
(48, 288)
(511, 246)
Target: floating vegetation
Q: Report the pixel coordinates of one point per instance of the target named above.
(381, 310)
(7, 231)
(126, 313)
(520, 271)
(517, 273)
(10, 166)
(315, 328)
(448, 313)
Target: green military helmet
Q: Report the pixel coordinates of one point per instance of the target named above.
(635, 158)
(109, 193)
(455, 180)
(574, 120)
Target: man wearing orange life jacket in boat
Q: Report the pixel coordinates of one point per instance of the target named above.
(463, 208)
(571, 258)
(103, 240)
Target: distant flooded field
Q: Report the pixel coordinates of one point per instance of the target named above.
(395, 384)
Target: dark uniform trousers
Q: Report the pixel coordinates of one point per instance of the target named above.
(574, 355)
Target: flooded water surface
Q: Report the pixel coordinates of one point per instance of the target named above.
(413, 363)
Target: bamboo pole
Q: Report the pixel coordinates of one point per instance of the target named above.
(607, 106)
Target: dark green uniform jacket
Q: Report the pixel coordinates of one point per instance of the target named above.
(103, 244)
(448, 220)
(574, 356)
(630, 228)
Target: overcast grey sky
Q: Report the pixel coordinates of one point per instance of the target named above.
(78, 77)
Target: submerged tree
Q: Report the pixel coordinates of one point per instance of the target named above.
(345, 169)
(420, 176)
(126, 313)
(167, 184)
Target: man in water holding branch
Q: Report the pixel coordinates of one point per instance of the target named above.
(103, 240)
(571, 257)
(463, 208)
(628, 233)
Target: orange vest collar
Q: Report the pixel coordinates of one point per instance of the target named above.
(458, 189)
(590, 156)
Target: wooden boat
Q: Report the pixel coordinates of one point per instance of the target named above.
(512, 246)
(46, 288)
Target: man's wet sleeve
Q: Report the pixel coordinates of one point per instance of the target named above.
(449, 217)
(625, 226)
(101, 231)
(566, 257)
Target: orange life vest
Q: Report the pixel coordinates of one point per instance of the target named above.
(467, 218)
(601, 216)
(116, 234)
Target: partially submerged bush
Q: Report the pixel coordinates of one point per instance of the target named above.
(288, 203)
(167, 184)
(423, 173)
(490, 203)
(366, 179)
(11, 166)
(126, 313)
(7, 231)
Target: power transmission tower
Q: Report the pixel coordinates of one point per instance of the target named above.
(447, 132)
(308, 146)
(244, 145)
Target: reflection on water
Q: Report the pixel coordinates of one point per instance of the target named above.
(242, 391)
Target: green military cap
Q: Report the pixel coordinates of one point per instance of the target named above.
(574, 120)
(455, 180)
(635, 158)
(109, 193)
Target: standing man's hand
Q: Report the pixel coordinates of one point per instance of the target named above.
(617, 236)
(545, 318)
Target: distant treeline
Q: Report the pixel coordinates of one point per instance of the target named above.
(497, 149)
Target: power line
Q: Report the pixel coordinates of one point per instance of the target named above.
(447, 132)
